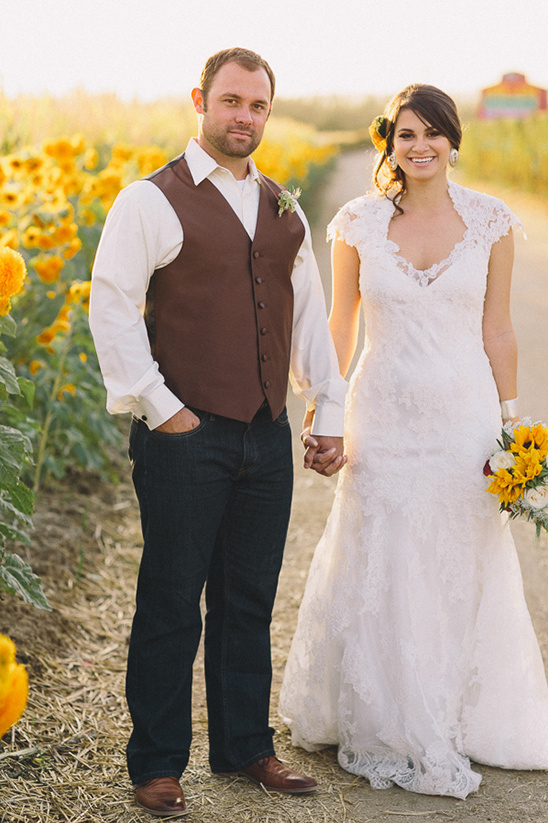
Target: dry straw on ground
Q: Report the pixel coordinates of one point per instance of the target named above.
(65, 760)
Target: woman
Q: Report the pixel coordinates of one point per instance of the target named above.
(414, 649)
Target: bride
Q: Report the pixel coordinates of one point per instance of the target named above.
(414, 650)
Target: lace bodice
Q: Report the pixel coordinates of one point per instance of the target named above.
(363, 223)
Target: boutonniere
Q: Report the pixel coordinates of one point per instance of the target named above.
(288, 200)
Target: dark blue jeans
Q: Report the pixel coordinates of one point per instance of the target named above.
(215, 504)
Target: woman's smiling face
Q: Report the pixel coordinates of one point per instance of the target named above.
(421, 150)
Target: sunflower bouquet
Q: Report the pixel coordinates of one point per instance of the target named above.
(519, 472)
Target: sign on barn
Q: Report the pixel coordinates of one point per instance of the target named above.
(512, 97)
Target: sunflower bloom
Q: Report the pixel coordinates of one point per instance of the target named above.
(65, 233)
(12, 272)
(91, 158)
(5, 306)
(60, 149)
(46, 337)
(528, 438)
(12, 198)
(68, 388)
(49, 269)
(14, 686)
(45, 242)
(10, 239)
(505, 486)
(528, 466)
(30, 237)
(73, 248)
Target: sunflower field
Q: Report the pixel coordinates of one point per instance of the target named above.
(53, 202)
(512, 153)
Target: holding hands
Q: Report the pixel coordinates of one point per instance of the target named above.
(323, 454)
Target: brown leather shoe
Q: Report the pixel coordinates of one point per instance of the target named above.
(275, 776)
(162, 797)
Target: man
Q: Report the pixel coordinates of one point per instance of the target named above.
(203, 297)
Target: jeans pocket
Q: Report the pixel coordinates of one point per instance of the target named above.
(180, 435)
(283, 419)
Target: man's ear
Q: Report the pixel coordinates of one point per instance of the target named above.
(198, 100)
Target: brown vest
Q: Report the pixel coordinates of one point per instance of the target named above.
(220, 315)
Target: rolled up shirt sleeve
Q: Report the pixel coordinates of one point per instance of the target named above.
(141, 233)
(314, 372)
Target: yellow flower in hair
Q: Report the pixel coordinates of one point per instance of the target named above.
(377, 132)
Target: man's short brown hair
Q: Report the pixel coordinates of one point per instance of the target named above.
(243, 57)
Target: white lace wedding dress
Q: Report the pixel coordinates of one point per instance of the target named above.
(414, 649)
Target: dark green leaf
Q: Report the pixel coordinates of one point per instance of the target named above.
(8, 326)
(8, 377)
(17, 577)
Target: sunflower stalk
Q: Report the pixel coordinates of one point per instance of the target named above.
(48, 419)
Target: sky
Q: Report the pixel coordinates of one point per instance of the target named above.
(150, 49)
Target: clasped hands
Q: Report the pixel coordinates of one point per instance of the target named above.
(323, 454)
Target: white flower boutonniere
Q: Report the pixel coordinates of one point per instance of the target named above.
(288, 200)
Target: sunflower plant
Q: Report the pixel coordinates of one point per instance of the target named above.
(16, 498)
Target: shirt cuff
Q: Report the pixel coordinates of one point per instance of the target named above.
(328, 420)
(157, 407)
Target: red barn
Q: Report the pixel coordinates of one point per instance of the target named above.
(512, 97)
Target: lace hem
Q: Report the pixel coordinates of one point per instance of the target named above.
(437, 772)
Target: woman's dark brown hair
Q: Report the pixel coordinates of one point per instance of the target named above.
(431, 105)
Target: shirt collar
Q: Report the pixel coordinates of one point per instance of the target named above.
(202, 165)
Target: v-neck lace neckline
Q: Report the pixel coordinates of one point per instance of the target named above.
(424, 277)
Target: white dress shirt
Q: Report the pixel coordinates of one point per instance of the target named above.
(142, 233)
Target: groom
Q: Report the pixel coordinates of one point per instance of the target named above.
(205, 293)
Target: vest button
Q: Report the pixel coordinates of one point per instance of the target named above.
(258, 279)
(256, 254)
(261, 305)
(264, 331)
(267, 384)
(265, 357)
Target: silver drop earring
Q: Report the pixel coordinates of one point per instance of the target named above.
(453, 157)
(392, 162)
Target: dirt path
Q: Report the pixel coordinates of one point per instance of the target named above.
(65, 760)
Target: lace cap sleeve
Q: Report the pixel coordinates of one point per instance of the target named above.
(345, 224)
(502, 219)
(488, 217)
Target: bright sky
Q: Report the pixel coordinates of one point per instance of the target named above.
(156, 48)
